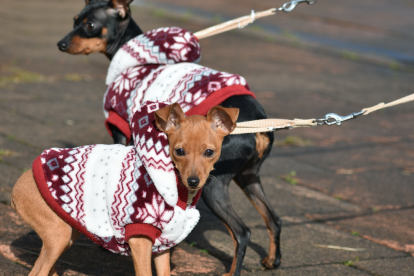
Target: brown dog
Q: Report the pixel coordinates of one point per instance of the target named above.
(194, 145)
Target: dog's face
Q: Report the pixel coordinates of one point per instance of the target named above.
(195, 141)
(97, 26)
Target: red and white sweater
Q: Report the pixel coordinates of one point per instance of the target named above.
(112, 192)
(160, 65)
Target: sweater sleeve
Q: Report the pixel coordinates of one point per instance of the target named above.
(142, 229)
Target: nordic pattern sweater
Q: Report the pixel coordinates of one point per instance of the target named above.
(112, 192)
(161, 65)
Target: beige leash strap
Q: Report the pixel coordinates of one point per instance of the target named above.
(267, 125)
(406, 99)
(243, 21)
(240, 22)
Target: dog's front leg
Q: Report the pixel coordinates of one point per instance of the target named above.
(141, 248)
(162, 263)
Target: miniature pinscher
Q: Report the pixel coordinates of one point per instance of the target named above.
(194, 145)
(104, 26)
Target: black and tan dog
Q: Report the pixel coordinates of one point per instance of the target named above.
(104, 26)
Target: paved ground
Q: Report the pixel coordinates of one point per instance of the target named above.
(349, 186)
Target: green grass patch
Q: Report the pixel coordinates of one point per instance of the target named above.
(4, 152)
(396, 66)
(355, 233)
(350, 55)
(14, 75)
(350, 262)
(293, 141)
(256, 28)
(217, 19)
(290, 35)
(73, 77)
(290, 178)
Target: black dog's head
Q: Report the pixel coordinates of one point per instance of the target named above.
(99, 27)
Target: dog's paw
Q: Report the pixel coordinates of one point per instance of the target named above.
(270, 263)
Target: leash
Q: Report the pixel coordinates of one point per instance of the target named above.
(243, 21)
(268, 125)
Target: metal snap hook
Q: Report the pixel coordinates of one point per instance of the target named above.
(333, 118)
(290, 6)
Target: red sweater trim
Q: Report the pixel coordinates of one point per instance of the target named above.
(217, 98)
(47, 196)
(142, 229)
(120, 123)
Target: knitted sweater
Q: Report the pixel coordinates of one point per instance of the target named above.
(112, 192)
(160, 65)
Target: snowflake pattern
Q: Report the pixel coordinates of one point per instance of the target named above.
(127, 80)
(156, 213)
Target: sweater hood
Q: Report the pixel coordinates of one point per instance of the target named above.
(168, 45)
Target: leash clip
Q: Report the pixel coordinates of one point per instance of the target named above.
(333, 118)
(290, 6)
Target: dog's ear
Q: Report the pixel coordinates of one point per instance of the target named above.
(168, 118)
(121, 6)
(223, 120)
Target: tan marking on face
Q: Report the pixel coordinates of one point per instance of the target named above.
(195, 135)
(85, 20)
(262, 142)
(104, 31)
(86, 46)
(76, 17)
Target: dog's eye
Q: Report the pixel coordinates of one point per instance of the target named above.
(209, 153)
(90, 26)
(180, 152)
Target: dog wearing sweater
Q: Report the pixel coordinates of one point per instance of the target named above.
(161, 65)
(120, 196)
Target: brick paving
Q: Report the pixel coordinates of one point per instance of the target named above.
(349, 186)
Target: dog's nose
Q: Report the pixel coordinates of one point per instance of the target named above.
(193, 181)
(63, 46)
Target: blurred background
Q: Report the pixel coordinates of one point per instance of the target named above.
(348, 186)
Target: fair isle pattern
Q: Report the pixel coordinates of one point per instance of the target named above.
(185, 83)
(119, 93)
(160, 46)
(151, 144)
(124, 196)
(106, 187)
(160, 66)
(66, 171)
(153, 148)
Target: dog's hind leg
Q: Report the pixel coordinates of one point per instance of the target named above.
(216, 197)
(57, 236)
(249, 181)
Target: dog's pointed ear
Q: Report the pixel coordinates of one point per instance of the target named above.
(223, 120)
(169, 117)
(121, 6)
